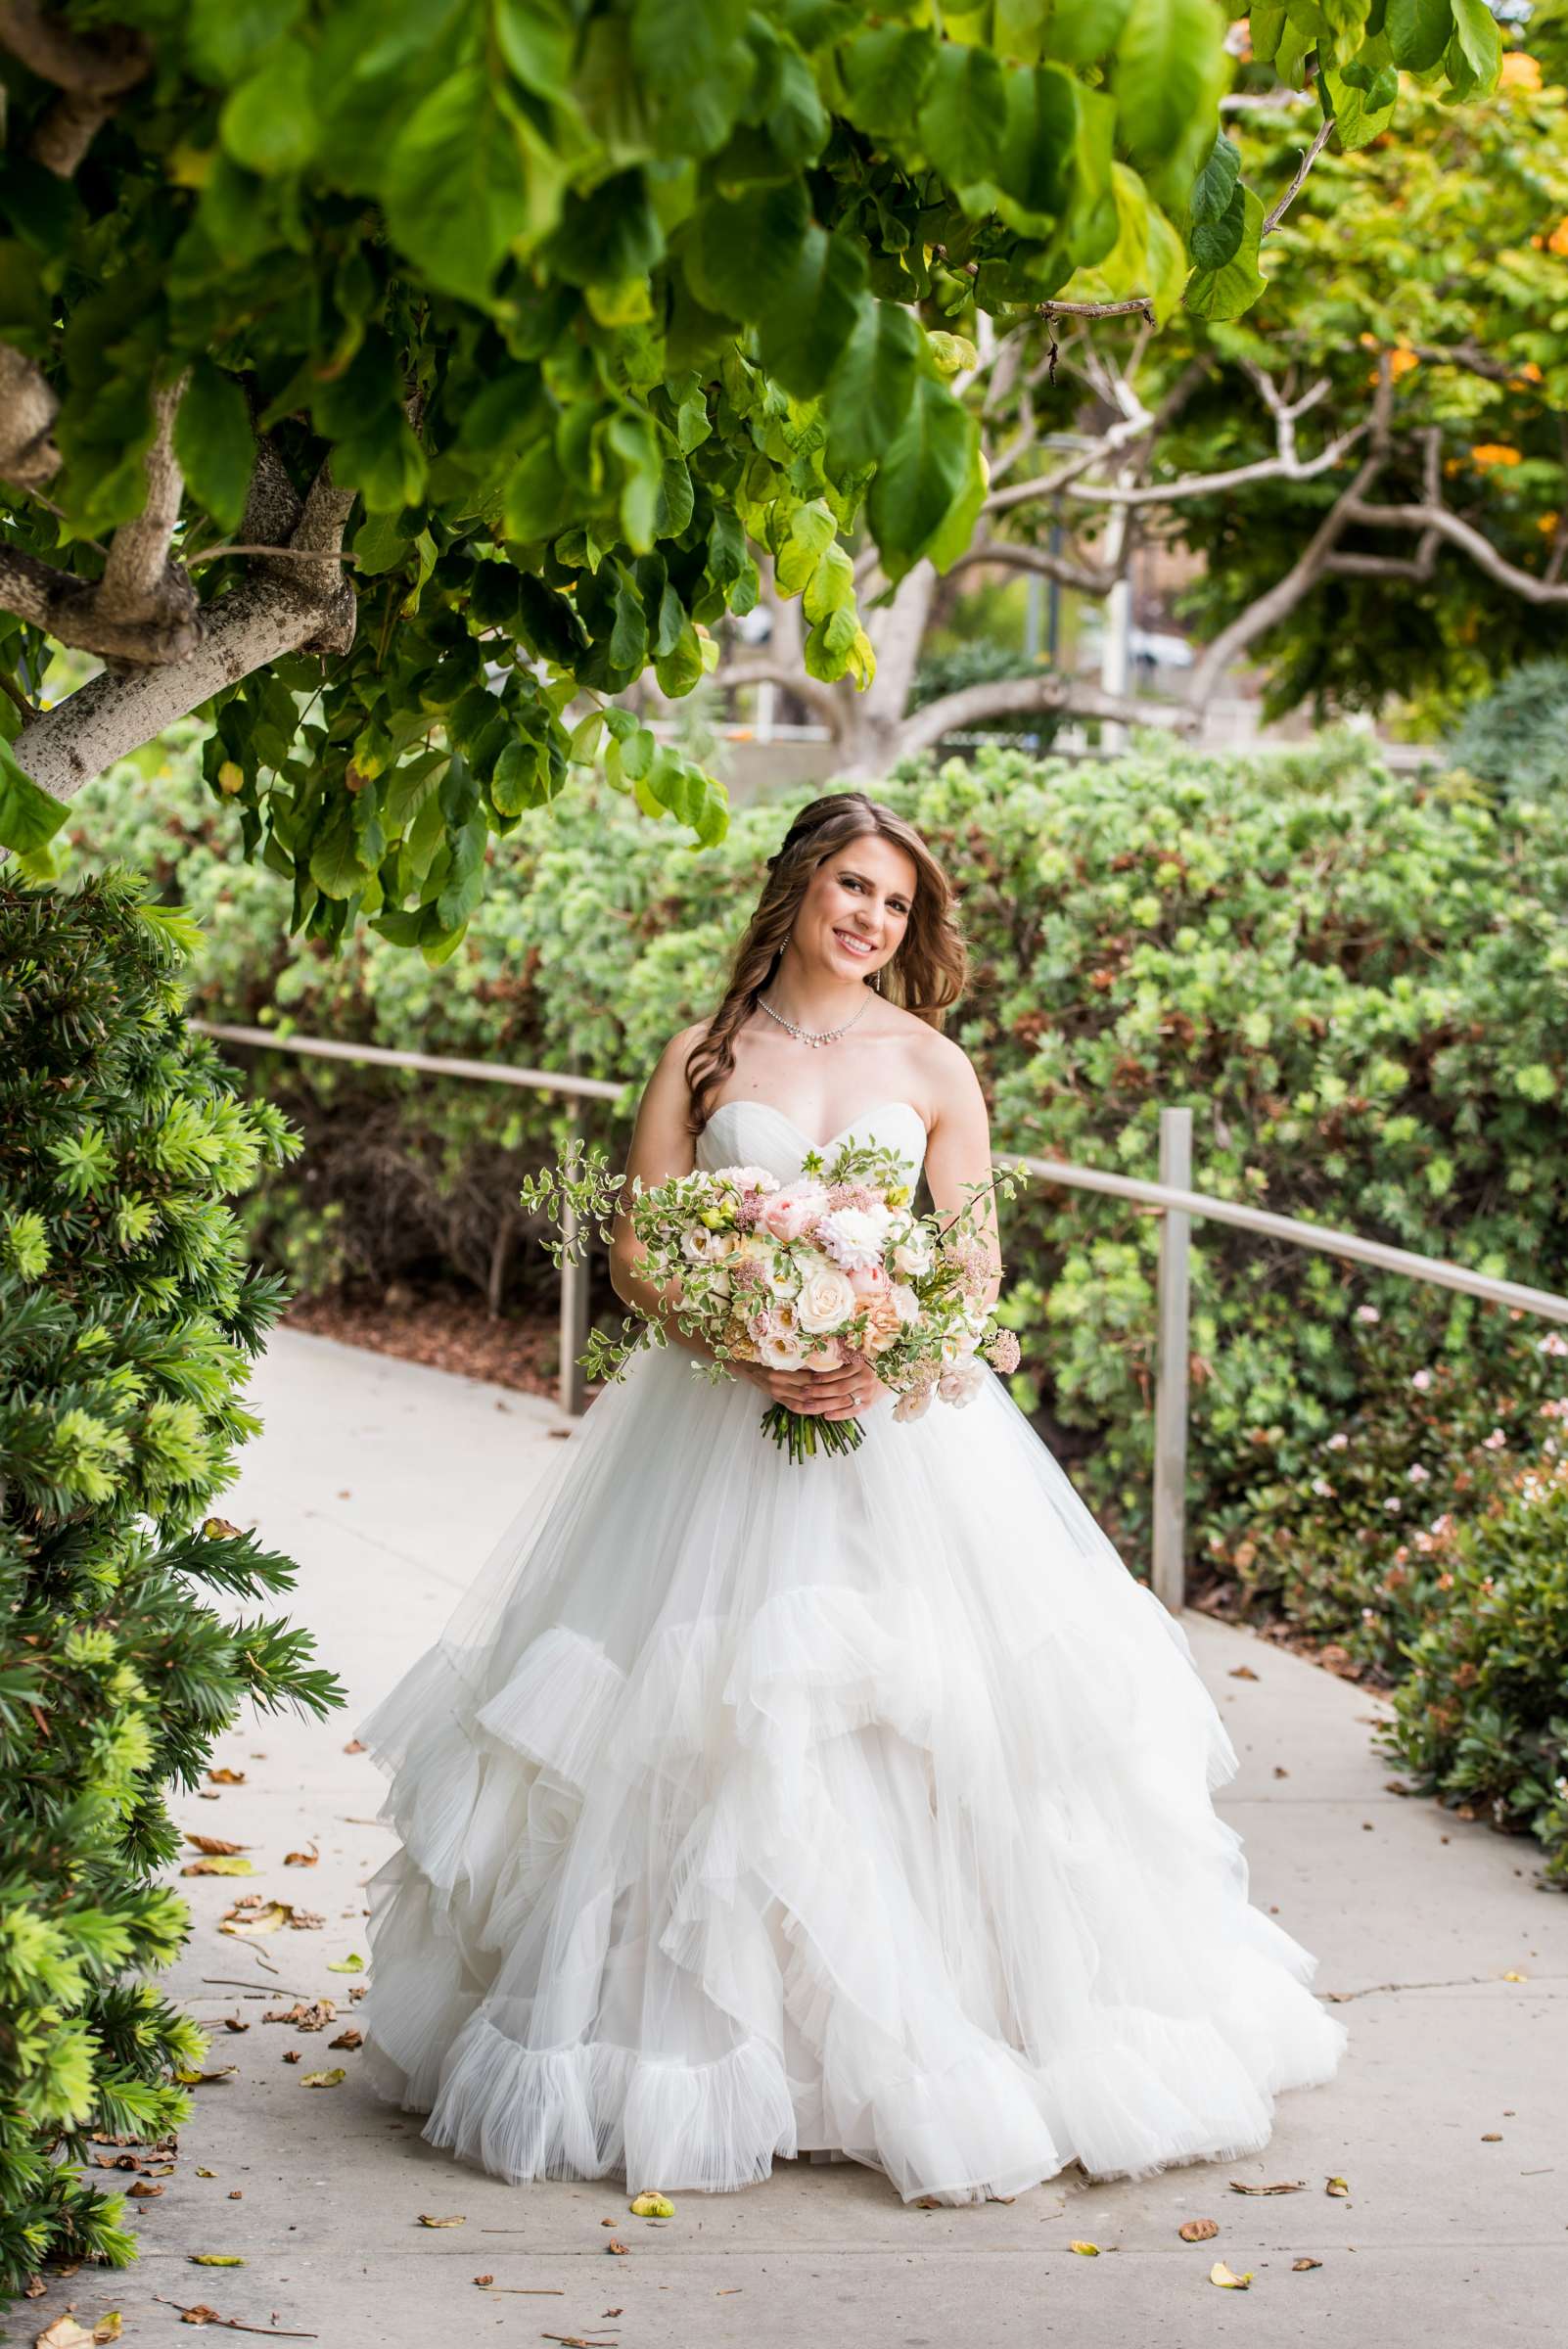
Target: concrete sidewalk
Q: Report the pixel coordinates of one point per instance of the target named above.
(389, 1483)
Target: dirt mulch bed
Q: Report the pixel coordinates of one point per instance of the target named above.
(444, 1333)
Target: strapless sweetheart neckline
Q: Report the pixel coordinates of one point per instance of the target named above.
(861, 1118)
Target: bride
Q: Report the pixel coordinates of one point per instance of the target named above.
(748, 1808)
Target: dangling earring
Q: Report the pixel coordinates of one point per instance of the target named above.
(876, 979)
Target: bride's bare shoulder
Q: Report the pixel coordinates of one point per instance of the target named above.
(946, 1070)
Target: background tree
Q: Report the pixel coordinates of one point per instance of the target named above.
(538, 317)
(1393, 407)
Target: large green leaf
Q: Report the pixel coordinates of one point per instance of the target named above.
(1166, 86)
(1081, 31)
(1479, 42)
(458, 191)
(269, 121)
(1032, 159)
(869, 391)
(922, 477)
(961, 113)
(741, 250)
(214, 442)
(1228, 291)
(1419, 31)
(28, 816)
(806, 329)
(884, 73)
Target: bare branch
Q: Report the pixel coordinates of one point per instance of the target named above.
(1140, 305)
(1528, 585)
(1025, 697)
(1310, 157)
(1284, 466)
(1015, 556)
(1280, 600)
(816, 695)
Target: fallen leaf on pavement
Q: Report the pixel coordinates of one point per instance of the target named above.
(484, 2280)
(214, 1843)
(1088, 2250)
(348, 2039)
(1491, 2136)
(1336, 2187)
(1299, 2267)
(1242, 1672)
(66, 2334)
(651, 2206)
(1220, 2274)
(253, 1915)
(236, 2022)
(324, 2079)
(1198, 2230)
(144, 2191)
(354, 1746)
(214, 2259)
(425, 2219)
(292, 2055)
(205, 2079)
(218, 1863)
(1292, 2186)
(617, 2248)
(353, 1963)
(301, 1859)
(226, 1778)
(307, 1920)
(1511, 1977)
(207, 2173)
(305, 2014)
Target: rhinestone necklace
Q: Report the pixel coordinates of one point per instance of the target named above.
(813, 1037)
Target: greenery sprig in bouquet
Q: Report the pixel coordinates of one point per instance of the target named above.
(829, 1267)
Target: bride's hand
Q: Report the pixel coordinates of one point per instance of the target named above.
(821, 1394)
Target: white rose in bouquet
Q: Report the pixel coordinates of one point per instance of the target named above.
(826, 1300)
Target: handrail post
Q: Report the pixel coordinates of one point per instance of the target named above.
(575, 1279)
(1170, 1367)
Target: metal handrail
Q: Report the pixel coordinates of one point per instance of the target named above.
(1172, 1198)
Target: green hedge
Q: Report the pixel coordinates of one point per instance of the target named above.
(127, 1312)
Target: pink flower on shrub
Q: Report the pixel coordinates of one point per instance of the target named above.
(1418, 1475)
(1422, 1379)
(1495, 1442)
(1554, 1342)
(1367, 1312)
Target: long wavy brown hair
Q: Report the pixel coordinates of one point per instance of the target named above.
(926, 976)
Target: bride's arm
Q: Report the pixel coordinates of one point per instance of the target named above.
(661, 1145)
(958, 1154)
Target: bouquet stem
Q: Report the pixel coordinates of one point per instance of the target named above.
(804, 1433)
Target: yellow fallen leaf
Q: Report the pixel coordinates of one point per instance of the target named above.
(214, 2259)
(1198, 2230)
(1220, 2274)
(207, 2173)
(205, 2079)
(324, 2079)
(425, 2219)
(1336, 2187)
(1090, 2250)
(652, 2206)
(66, 2334)
(353, 1963)
(1513, 1977)
(255, 1916)
(218, 1863)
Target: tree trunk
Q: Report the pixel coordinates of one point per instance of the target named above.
(872, 723)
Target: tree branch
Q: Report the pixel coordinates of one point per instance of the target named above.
(1436, 519)
(27, 411)
(141, 587)
(92, 70)
(1310, 157)
(1287, 592)
(1024, 697)
(811, 690)
(1018, 557)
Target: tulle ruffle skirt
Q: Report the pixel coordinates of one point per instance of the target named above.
(747, 1809)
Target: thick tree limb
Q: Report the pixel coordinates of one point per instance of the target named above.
(1098, 581)
(816, 696)
(27, 411)
(1024, 697)
(92, 69)
(1435, 519)
(141, 588)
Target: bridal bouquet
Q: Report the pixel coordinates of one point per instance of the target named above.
(828, 1268)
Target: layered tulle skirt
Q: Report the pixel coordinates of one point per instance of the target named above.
(749, 1808)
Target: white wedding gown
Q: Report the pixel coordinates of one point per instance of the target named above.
(750, 1808)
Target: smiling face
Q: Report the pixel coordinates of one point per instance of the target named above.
(856, 907)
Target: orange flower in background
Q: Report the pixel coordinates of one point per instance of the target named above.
(1547, 525)
(1558, 242)
(1494, 452)
(1520, 71)
(1400, 360)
